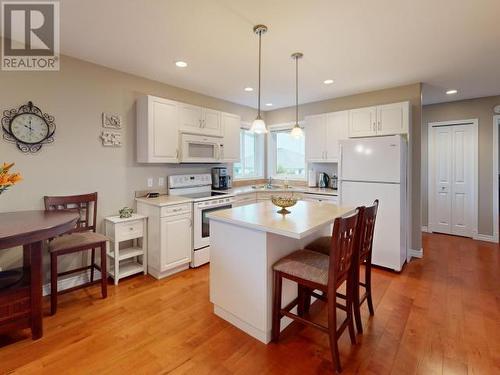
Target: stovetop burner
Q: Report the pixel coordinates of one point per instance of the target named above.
(205, 194)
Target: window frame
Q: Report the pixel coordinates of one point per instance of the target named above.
(259, 155)
(272, 151)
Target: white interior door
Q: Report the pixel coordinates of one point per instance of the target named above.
(452, 180)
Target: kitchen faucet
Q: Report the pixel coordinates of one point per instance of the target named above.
(270, 183)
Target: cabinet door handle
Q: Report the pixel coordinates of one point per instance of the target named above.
(374, 126)
(177, 209)
(190, 223)
(379, 125)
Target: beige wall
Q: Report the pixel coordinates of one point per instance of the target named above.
(481, 109)
(411, 93)
(77, 162)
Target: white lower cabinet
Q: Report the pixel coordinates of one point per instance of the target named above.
(175, 238)
(170, 235)
(321, 198)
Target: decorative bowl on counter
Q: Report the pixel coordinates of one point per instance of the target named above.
(284, 201)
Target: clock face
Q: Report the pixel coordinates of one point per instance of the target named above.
(29, 128)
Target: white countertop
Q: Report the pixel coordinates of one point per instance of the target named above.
(164, 200)
(298, 189)
(305, 217)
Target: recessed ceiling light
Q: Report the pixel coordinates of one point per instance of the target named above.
(248, 89)
(269, 104)
(328, 81)
(451, 92)
(181, 64)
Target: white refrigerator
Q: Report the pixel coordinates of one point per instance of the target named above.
(375, 168)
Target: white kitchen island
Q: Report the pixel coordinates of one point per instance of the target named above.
(245, 242)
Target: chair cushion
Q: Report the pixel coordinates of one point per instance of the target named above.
(305, 264)
(78, 239)
(321, 245)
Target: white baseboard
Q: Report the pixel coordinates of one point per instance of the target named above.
(71, 282)
(475, 235)
(416, 253)
(486, 237)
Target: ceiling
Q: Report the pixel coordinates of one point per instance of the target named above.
(362, 45)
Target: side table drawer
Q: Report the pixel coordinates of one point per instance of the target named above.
(128, 230)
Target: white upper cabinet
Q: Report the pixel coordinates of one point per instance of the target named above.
(212, 122)
(323, 133)
(157, 130)
(393, 118)
(198, 120)
(231, 126)
(386, 119)
(315, 130)
(190, 118)
(362, 122)
(337, 129)
(160, 122)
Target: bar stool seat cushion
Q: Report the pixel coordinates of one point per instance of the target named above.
(305, 264)
(75, 240)
(321, 245)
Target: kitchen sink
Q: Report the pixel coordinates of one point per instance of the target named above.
(267, 187)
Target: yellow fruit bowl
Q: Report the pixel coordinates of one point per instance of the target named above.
(283, 203)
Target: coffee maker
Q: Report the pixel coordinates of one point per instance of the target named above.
(220, 178)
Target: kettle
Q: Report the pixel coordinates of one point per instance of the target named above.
(323, 180)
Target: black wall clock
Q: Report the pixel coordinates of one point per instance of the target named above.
(28, 127)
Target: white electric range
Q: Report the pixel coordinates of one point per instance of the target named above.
(198, 187)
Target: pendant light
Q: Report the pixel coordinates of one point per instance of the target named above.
(297, 131)
(258, 125)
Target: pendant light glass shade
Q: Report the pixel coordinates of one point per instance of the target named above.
(258, 125)
(297, 131)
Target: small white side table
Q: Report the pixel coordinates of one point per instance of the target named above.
(131, 260)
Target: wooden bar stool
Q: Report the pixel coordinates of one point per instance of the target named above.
(363, 255)
(81, 238)
(312, 270)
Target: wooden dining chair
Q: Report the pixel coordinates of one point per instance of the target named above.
(363, 256)
(312, 271)
(82, 238)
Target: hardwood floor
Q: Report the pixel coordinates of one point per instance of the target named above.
(441, 315)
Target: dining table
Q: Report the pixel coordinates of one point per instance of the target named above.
(21, 288)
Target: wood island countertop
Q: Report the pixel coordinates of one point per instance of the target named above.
(304, 219)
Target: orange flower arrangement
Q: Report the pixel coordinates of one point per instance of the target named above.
(8, 179)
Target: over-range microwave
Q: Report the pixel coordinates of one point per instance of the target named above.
(201, 148)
